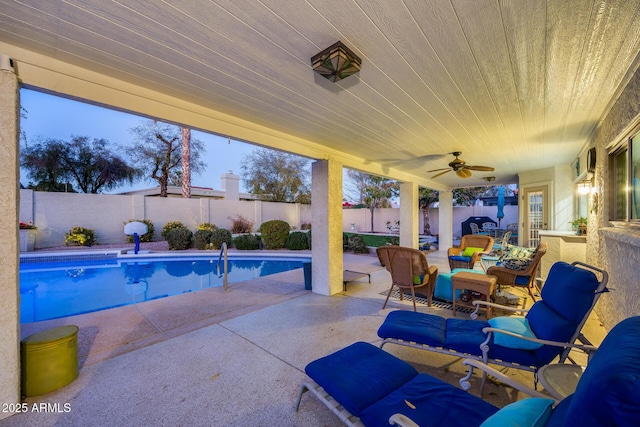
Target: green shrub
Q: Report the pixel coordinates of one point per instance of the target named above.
(207, 226)
(297, 241)
(146, 237)
(171, 225)
(240, 225)
(219, 236)
(247, 242)
(356, 244)
(80, 236)
(274, 233)
(202, 239)
(179, 238)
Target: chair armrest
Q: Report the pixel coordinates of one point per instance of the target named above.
(454, 251)
(586, 348)
(474, 363)
(477, 255)
(402, 421)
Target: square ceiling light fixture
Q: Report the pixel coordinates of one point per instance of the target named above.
(336, 62)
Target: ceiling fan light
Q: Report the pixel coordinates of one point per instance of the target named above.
(463, 173)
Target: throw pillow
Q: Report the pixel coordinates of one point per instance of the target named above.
(469, 251)
(517, 325)
(516, 263)
(532, 412)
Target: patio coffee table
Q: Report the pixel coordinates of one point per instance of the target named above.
(482, 283)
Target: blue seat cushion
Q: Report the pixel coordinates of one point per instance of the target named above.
(547, 324)
(436, 403)
(465, 335)
(359, 375)
(414, 326)
(609, 389)
(569, 290)
(460, 258)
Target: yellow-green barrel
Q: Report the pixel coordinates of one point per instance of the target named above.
(49, 360)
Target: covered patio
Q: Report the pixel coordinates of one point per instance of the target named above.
(524, 87)
(239, 368)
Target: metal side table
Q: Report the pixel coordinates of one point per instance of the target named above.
(560, 379)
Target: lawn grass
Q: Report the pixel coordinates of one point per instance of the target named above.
(375, 241)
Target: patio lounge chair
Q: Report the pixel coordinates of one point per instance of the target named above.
(472, 247)
(553, 324)
(365, 386)
(409, 270)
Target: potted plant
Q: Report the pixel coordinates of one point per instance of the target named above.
(27, 236)
(580, 225)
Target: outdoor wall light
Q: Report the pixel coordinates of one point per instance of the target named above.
(336, 62)
(584, 186)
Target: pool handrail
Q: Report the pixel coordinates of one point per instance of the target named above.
(223, 252)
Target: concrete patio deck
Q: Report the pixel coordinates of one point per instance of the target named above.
(231, 359)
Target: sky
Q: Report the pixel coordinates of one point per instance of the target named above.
(50, 116)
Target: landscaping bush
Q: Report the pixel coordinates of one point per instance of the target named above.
(207, 226)
(297, 241)
(357, 245)
(241, 225)
(179, 238)
(274, 233)
(247, 242)
(219, 236)
(80, 236)
(146, 237)
(202, 239)
(171, 225)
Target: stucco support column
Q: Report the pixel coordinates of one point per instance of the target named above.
(326, 227)
(445, 220)
(9, 258)
(409, 214)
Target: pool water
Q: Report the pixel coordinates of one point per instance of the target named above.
(59, 289)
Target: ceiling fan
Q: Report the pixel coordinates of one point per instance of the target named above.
(460, 167)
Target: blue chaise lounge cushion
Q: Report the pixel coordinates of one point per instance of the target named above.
(609, 389)
(429, 401)
(359, 375)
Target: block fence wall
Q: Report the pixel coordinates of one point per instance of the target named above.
(55, 213)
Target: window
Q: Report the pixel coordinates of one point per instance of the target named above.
(625, 169)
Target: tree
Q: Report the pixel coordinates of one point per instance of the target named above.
(377, 191)
(426, 197)
(80, 164)
(186, 163)
(277, 176)
(157, 152)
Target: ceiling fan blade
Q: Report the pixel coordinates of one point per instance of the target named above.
(463, 173)
(441, 173)
(480, 168)
(438, 170)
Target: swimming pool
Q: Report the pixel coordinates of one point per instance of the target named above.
(54, 289)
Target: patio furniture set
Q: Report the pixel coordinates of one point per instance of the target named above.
(364, 385)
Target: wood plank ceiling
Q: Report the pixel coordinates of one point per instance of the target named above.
(514, 84)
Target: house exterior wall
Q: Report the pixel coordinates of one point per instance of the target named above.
(615, 247)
